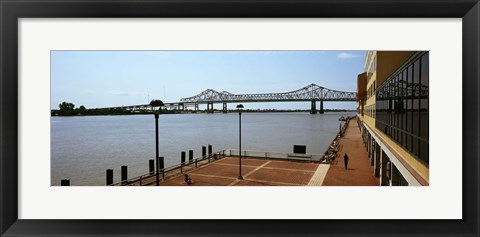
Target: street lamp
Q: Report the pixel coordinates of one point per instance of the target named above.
(159, 104)
(240, 107)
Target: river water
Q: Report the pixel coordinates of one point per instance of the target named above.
(83, 147)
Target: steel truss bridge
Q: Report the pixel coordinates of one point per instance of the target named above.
(312, 93)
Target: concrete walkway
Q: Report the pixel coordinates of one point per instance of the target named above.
(359, 172)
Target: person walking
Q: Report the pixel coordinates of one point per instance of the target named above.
(345, 160)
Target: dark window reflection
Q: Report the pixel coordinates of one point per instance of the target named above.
(402, 107)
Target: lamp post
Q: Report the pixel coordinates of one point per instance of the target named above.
(159, 104)
(240, 107)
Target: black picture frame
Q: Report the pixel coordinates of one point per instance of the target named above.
(11, 11)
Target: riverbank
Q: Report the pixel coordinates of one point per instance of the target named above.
(103, 112)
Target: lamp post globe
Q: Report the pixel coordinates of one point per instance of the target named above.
(240, 107)
(159, 104)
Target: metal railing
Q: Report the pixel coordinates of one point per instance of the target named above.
(275, 155)
(150, 177)
(332, 151)
(175, 170)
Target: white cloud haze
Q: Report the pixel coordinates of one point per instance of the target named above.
(347, 55)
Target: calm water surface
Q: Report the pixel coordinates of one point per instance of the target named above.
(84, 147)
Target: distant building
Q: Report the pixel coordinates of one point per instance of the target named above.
(392, 98)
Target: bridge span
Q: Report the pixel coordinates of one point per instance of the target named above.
(312, 93)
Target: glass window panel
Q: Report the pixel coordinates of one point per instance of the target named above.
(425, 70)
(392, 115)
(399, 106)
(403, 83)
(404, 115)
(409, 115)
(424, 151)
(409, 81)
(397, 135)
(424, 119)
(415, 146)
(396, 103)
(415, 119)
(416, 73)
(416, 80)
(424, 113)
(409, 142)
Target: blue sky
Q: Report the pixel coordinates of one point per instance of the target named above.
(98, 79)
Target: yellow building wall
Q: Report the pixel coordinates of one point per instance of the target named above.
(371, 77)
(388, 62)
(421, 169)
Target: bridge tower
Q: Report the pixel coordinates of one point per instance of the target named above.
(313, 107)
(224, 108)
(321, 107)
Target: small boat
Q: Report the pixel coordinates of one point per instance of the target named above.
(342, 119)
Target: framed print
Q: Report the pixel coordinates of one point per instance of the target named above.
(70, 67)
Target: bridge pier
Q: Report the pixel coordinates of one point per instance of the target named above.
(313, 107)
(181, 106)
(321, 107)
(196, 107)
(210, 108)
(224, 108)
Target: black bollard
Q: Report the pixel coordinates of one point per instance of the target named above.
(161, 160)
(204, 151)
(65, 182)
(190, 156)
(151, 166)
(124, 173)
(183, 157)
(210, 150)
(109, 177)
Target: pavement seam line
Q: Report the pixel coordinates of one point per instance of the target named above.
(236, 181)
(273, 168)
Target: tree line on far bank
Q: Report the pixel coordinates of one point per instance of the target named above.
(68, 109)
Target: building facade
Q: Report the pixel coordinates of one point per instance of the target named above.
(392, 98)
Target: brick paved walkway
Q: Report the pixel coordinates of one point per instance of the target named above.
(256, 172)
(359, 172)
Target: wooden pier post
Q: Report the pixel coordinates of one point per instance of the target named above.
(210, 150)
(204, 151)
